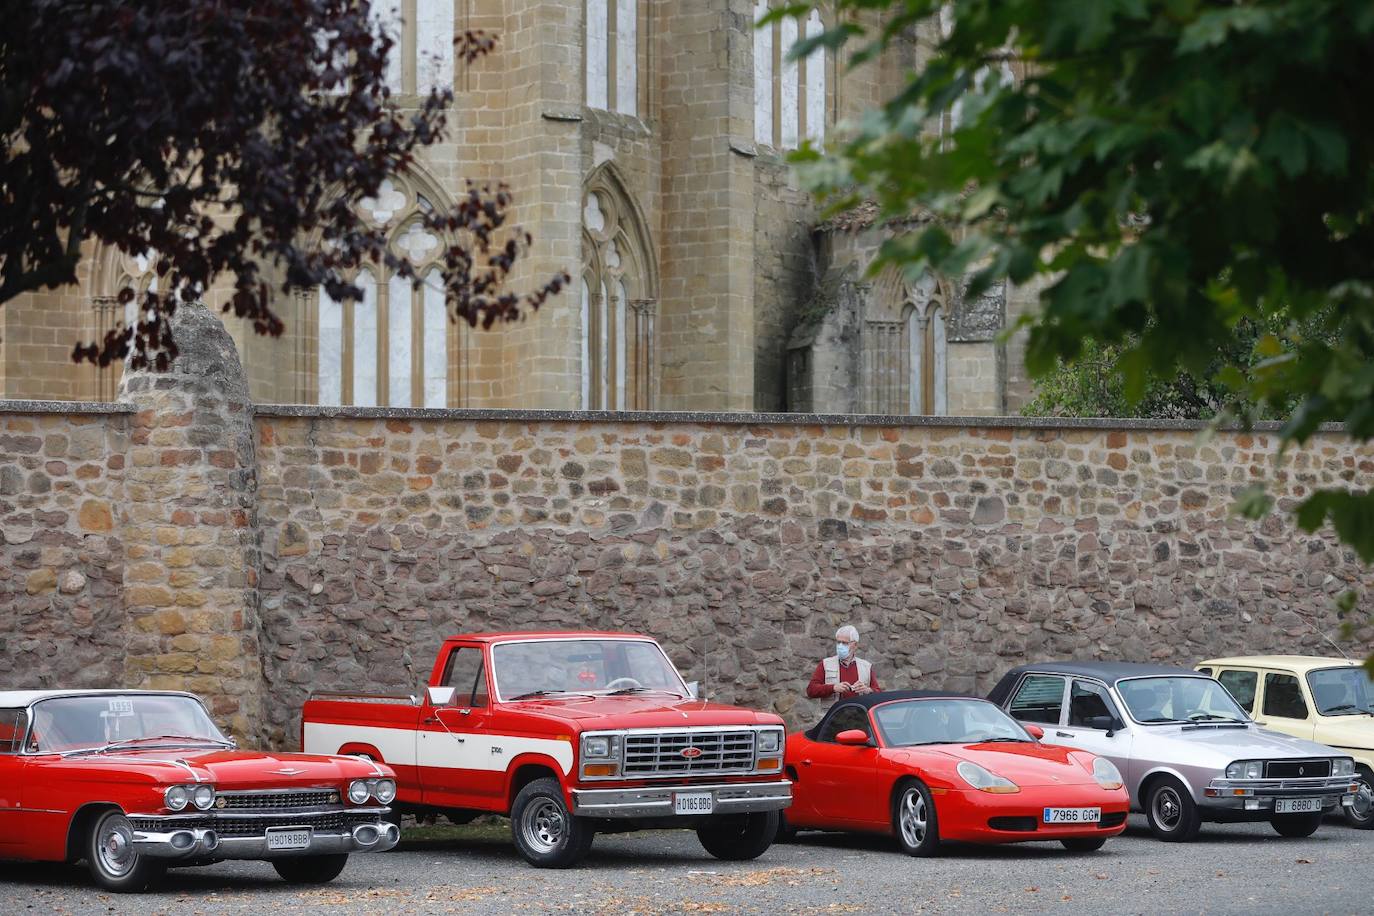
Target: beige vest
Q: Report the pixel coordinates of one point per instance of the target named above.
(832, 670)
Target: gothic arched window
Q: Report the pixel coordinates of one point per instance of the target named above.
(116, 272)
(421, 31)
(789, 96)
(616, 300)
(611, 64)
(389, 347)
(903, 367)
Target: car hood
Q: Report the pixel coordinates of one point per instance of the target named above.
(1025, 764)
(1188, 745)
(226, 769)
(642, 711)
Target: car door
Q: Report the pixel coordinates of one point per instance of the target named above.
(841, 776)
(1089, 704)
(14, 820)
(1283, 708)
(454, 747)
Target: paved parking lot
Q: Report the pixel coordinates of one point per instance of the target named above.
(1231, 869)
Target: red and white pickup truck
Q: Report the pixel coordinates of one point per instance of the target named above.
(570, 734)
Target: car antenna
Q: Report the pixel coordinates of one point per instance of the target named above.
(1314, 629)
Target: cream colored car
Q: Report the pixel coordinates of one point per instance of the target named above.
(1327, 700)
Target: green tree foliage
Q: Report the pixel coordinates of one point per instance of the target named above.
(1168, 170)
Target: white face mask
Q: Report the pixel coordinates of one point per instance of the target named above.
(842, 650)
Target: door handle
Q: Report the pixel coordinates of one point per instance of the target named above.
(1258, 722)
(1059, 734)
(807, 762)
(431, 720)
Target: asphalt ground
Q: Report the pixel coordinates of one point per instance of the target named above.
(1229, 869)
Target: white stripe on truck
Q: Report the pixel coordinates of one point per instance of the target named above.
(455, 750)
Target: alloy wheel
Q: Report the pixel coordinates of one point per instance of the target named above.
(544, 825)
(913, 817)
(1168, 808)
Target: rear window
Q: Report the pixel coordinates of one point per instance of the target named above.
(1242, 685)
(1040, 698)
(12, 725)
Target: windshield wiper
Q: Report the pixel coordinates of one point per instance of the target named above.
(1001, 741)
(1159, 720)
(535, 694)
(628, 690)
(1345, 707)
(135, 742)
(1210, 717)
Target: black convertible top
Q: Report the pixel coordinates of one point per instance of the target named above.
(1107, 672)
(869, 700)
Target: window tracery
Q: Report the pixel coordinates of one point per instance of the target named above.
(617, 300)
(789, 96)
(611, 63)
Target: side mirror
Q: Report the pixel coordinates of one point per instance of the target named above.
(440, 696)
(855, 737)
(694, 690)
(1034, 731)
(1102, 723)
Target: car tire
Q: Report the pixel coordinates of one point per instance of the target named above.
(113, 863)
(545, 831)
(1295, 825)
(786, 832)
(739, 837)
(1171, 811)
(310, 869)
(914, 821)
(1084, 843)
(1360, 815)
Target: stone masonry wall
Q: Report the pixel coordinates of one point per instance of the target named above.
(742, 543)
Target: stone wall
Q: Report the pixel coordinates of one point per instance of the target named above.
(184, 539)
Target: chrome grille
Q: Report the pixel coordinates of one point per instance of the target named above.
(1292, 769)
(276, 801)
(227, 825)
(661, 754)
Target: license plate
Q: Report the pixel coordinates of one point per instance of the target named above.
(1073, 815)
(1297, 805)
(288, 838)
(693, 803)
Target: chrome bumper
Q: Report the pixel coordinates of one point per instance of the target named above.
(205, 843)
(1260, 794)
(657, 801)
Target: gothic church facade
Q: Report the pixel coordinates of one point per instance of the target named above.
(646, 143)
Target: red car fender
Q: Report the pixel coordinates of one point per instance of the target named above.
(357, 748)
(530, 762)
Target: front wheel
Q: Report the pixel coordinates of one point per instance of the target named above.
(739, 837)
(1360, 814)
(1171, 812)
(545, 831)
(913, 820)
(310, 869)
(1295, 825)
(1084, 844)
(112, 859)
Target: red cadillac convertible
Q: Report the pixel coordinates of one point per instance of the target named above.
(928, 767)
(132, 781)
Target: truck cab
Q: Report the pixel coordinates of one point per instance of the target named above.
(570, 734)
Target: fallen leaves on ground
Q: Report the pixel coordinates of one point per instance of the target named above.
(789, 876)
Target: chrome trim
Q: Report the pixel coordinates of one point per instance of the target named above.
(657, 801)
(239, 814)
(32, 810)
(1316, 785)
(207, 844)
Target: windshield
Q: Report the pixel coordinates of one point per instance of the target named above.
(1156, 700)
(904, 723)
(1341, 691)
(589, 666)
(93, 722)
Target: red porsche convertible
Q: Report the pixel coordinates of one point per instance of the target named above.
(928, 767)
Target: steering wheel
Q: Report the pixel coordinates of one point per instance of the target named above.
(622, 682)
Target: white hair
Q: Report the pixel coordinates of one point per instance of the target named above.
(847, 632)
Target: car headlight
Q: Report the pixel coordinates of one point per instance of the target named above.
(599, 746)
(359, 792)
(1106, 774)
(176, 798)
(1245, 769)
(203, 797)
(384, 790)
(985, 780)
(1343, 766)
(769, 742)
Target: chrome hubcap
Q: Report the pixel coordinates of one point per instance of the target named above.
(543, 825)
(1364, 800)
(115, 847)
(1168, 809)
(912, 817)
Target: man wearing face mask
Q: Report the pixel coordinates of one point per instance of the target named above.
(843, 674)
